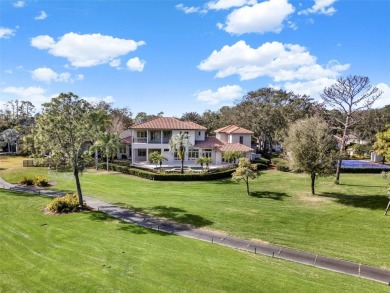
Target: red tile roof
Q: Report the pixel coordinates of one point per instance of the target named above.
(233, 129)
(212, 142)
(126, 140)
(235, 147)
(209, 143)
(168, 123)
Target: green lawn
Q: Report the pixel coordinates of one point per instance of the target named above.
(344, 221)
(90, 252)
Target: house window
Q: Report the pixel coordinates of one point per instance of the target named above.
(176, 156)
(193, 154)
(241, 140)
(167, 136)
(199, 133)
(141, 134)
(166, 150)
(141, 153)
(155, 136)
(207, 153)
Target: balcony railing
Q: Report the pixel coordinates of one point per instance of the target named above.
(140, 140)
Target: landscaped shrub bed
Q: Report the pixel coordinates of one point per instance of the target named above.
(149, 174)
(65, 204)
(263, 161)
(39, 180)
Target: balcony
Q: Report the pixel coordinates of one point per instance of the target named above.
(140, 140)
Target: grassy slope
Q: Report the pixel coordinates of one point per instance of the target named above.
(344, 221)
(89, 252)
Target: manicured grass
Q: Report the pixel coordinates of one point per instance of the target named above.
(90, 252)
(344, 221)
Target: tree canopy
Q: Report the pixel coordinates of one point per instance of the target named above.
(311, 148)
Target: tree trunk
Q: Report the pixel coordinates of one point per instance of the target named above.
(387, 208)
(107, 163)
(313, 179)
(247, 185)
(76, 176)
(96, 160)
(182, 165)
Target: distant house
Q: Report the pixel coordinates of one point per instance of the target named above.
(154, 135)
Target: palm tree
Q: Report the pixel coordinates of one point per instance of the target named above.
(157, 158)
(108, 143)
(179, 143)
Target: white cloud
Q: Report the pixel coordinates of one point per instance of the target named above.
(384, 99)
(226, 4)
(19, 4)
(96, 100)
(190, 9)
(35, 95)
(320, 7)
(6, 33)
(282, 62)
(225, 93)
(86, 50)
(312, 88)
(135, 64)
(48, 75)
(115, 63)
(41, 16)
(267, 16)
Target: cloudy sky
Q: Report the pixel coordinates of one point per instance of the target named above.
(180, 56)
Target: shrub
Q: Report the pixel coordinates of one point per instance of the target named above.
(276, 161)
(41, 181)
(282, 166)
(66, 204)
(27, 181)
(263, 161)
(259, 166)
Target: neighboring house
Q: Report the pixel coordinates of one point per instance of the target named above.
(124, 152)
(154, 135)
(376, 158)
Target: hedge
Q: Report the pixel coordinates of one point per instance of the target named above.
(169, 176)
(364, 170)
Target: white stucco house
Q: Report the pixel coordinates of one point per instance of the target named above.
(154, 135)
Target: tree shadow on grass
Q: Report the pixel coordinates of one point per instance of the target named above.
(373, 202)
(171, 213)
(122, 226)
(362, 185)
(269, 195)
(224, 181)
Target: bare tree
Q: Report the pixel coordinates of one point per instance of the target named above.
(350, 96)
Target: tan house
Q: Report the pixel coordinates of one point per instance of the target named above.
(154, 135)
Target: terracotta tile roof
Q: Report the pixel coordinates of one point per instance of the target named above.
(233, 129)
(209, 143)
(126, 140)
(235, 147)
(168, 123)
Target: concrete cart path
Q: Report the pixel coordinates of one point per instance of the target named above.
(163, 225)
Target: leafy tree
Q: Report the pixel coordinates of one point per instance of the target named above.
(382, 144)
(268, 112)
(179, 143)
(230, 156)
(119, 118)
(157, 158)
(10, 137)
(245, 171)
(311, 148)
(63, 128)
(350, 96)
(143, 117)
(192, 116)
(108, 143)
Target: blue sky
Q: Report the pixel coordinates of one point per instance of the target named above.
(181, 56)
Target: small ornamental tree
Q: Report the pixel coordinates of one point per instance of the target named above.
(311, 148)
(245, 171)
(157, 158)
(382, 143)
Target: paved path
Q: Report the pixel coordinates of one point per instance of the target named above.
(151, 222)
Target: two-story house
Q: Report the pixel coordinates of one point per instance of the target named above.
(154, 135)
